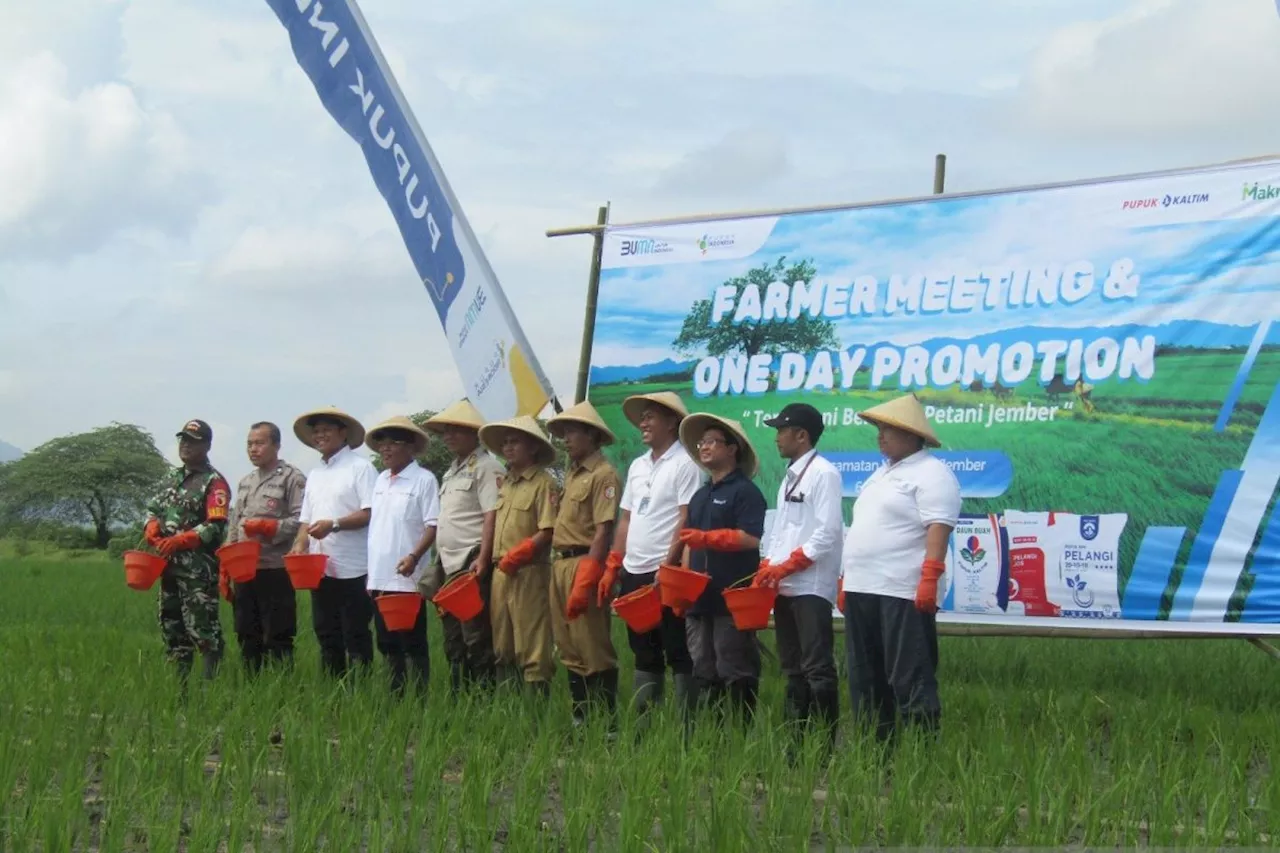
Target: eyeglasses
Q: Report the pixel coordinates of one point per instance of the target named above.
(710, 442)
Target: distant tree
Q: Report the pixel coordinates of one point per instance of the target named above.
(803, 334)
(99, 478)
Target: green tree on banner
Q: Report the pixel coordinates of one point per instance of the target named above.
(803, 334)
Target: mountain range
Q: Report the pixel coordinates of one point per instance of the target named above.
(8, 452)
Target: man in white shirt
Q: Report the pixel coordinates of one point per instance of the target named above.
(655, 504)
(802, 560)
(334, 521)
(894, 554)
(402, 529)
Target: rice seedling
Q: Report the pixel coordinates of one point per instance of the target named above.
(1044, 742)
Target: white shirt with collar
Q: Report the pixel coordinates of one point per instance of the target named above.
(811, 519)
(335, 489)
(655, 491)
(404, 506)
(884, 548)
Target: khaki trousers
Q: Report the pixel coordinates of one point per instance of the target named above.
(585, 645)
(521, 619)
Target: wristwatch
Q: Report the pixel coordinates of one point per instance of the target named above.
(337, 524)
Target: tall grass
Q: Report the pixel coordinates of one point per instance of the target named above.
(1044, 742)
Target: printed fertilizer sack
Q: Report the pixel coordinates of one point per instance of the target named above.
(1085, 583)
(1033, 551)
(977, 577)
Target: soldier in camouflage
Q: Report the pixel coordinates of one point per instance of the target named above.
(186, 524)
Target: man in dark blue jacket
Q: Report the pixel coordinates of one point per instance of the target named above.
(722, 534)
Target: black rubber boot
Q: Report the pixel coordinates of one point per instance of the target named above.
(457, 677)
(398, 673)
(211, 663)
(743, 694)
(648, 690)
(827, 703)
(419, 669)
(796, 709)
(578, 694)
(605, 688)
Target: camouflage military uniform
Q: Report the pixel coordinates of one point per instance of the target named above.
(192, 500)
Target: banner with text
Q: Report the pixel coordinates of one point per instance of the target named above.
(334, 46)
(1099, 360)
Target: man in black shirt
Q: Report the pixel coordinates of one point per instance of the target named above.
(722, 534)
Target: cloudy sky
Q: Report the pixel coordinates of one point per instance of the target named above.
(185, 232)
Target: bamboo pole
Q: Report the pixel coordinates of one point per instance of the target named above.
(589, 320)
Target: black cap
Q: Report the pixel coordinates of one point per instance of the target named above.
(196, 430)
(799, 415)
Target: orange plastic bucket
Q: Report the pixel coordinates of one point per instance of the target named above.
(399, 609)
(240, 559)
(640, 609)
(460, 597)
(749, 606)
(681, 587)
(142, 569)
(305, 570)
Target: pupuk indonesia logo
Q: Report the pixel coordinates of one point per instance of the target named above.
(715, 241)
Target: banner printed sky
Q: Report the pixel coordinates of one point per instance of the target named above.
(1224, 271)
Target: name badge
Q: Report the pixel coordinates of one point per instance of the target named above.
(643, 507)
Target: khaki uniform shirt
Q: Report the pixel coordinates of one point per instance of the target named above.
(271, 494)
(468, 491)
(590, 499)
(526, 504)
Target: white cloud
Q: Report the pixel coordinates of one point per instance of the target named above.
(1162, 67)
(79, 166)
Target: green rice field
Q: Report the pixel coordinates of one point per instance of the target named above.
(1044, 742)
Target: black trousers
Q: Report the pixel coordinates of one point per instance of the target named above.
(664, 646)
(468, 646)
(341, 611)
(806, 651)
(266, 617)
(406, 652)
(892, 652)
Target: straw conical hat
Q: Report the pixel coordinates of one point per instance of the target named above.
(582, 413)
(461, 413)
(905, 413)
(493, 434)
(420, 437)
(693, 426)
(355, 432)
(633, 407)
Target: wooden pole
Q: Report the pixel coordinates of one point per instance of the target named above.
(589, 321)
(939, 173)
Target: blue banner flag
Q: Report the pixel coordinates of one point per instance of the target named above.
(335, 47)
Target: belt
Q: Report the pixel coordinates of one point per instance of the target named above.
(570, 553)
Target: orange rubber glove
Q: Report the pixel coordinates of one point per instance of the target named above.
(840, 594)
(152, 533)
(773, 574)
(585, 581)
(762, 574)
(517, 557)
(266, 527)
(187, 540)
(927, 590)
(723, 539)
(224, 586)
(604, 590)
